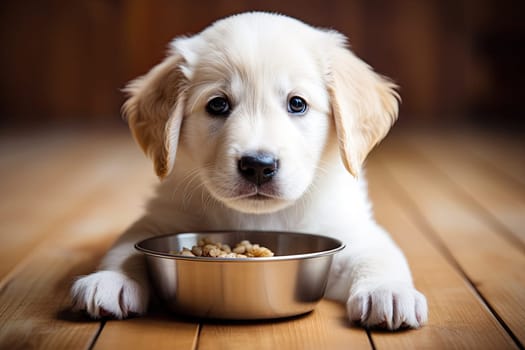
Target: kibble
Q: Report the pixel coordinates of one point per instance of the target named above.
(207, 248)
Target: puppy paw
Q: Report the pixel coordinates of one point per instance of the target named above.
(109, 293)
(390, 305)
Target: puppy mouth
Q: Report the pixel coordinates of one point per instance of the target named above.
(258, 196)
(252, 199)
(257, 202)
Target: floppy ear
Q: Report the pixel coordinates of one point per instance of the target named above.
(154, 111)
(364, 104)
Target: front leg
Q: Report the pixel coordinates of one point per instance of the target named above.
(373, 278)
(120, 287)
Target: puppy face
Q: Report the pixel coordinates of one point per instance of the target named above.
(257, 117)
(252, 101)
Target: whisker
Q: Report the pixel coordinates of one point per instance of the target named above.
(191, 175)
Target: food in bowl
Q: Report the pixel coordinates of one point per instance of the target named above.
(206, 247)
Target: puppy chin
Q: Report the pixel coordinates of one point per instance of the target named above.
(251, 205)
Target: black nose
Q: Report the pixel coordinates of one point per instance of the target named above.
(258, 168)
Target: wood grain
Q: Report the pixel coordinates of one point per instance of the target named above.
(151, 332)
(87, 50)
(500, 200)
(66, 196)
(325, 328)
(54, 176)
(457, 317)
(35, 301)
(491, 263)
(498, 153)
(34, 296)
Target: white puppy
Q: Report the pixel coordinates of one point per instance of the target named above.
(262, 122)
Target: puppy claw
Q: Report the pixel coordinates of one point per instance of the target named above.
(389, 306)
(109, 294)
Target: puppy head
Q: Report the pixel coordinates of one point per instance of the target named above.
(250, 103)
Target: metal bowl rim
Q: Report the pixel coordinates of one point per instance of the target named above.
(149, 252)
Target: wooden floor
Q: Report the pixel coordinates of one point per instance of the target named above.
(453, 200)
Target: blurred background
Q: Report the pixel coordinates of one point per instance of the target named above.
(458, 62)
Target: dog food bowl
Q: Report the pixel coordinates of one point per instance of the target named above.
(290, 283)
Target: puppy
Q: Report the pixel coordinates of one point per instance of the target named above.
(261, 122)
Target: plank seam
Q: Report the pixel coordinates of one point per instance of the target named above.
(197, 337)
(97, 335)
(370, 339)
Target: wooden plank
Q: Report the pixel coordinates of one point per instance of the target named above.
(501, 201)
(434, 225)
(457, 317)
(495, 151)
(498, 152)
(151, 332)
(34, 297)
(325, 328)
(44, 192)
(494, 265)
(34, 303)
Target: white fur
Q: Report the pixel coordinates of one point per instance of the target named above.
(258, 61)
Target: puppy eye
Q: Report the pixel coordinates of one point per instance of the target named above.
(297, 105)
(218, 106)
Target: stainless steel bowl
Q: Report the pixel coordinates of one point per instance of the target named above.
(290, 283)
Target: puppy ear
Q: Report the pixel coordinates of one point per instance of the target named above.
(154, 111)
(364, 104)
